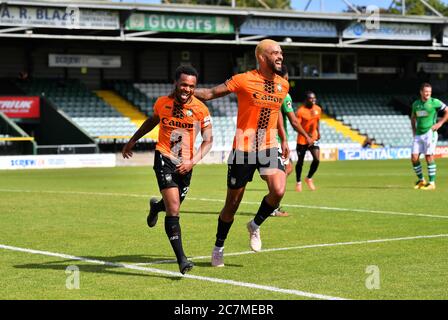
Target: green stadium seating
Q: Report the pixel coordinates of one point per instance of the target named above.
(83, 106)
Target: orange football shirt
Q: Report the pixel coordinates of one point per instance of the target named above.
(309, 119)
(179, 125)
(259, 102)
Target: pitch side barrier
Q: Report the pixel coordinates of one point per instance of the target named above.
(383, 153)
(13, 140)
(57, 161)
(331, 153)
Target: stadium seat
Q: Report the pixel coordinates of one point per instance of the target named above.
(83, 106)
(371, 115)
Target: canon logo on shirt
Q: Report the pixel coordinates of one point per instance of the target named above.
(266, 97)
(177, 124)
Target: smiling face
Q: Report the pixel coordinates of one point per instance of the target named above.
(274, 58)
(184, 88)
(269, 55)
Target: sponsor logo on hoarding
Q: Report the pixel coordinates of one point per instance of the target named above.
(442, 152)
(20, 107)
(374, 154)
(70, 17)
(389, 31)
(289, 27)
(27, 163)
(179, 23)
(57, 161)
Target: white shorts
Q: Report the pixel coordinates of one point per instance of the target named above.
(425, 143)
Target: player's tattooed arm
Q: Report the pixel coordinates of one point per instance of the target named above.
(145, 128)
(213, 93)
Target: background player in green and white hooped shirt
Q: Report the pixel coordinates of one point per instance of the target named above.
(288, 114)
(424, 127)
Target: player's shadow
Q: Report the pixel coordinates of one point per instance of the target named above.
(116, 265)
(265, 189)
(206, 264)
(239, 213)
(113, 265)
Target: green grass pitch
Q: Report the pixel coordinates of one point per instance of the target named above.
(100, 214)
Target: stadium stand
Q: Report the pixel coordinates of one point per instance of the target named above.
(371, 115)
(225, 106)
(403, 102)
(223, 111)
(4, 142)
(134, 95)
(84, 107)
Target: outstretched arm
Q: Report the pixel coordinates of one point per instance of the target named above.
(213, 93)
(145, 128)
(298, 127)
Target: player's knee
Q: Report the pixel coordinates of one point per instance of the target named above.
(277, 192)
(173, 208)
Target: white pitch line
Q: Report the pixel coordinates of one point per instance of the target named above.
(307, 247)
(222, 201)
(175, 274)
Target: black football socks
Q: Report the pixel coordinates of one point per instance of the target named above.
(313, 168)
(159, 206)
(223, 230)
(264, 211)
(172, 229)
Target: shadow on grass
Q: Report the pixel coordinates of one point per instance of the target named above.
(112, 266)
(215, 213)
(115, 265)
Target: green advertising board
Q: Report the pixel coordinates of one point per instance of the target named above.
(179, 23)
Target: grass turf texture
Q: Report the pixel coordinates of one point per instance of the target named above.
(101, 214)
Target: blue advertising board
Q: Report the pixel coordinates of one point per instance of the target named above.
(289, 27)
(374, 154)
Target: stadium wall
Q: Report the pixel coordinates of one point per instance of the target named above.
(57, 129)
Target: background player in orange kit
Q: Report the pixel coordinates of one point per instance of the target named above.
(308, 116)
(181, 117)
(260, 95)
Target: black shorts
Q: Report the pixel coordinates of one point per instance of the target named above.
(301, 149)
(242, 165)
(166, 174)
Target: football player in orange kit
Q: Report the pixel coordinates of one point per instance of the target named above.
(308, 116)
(260, 95)
(181, 116)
